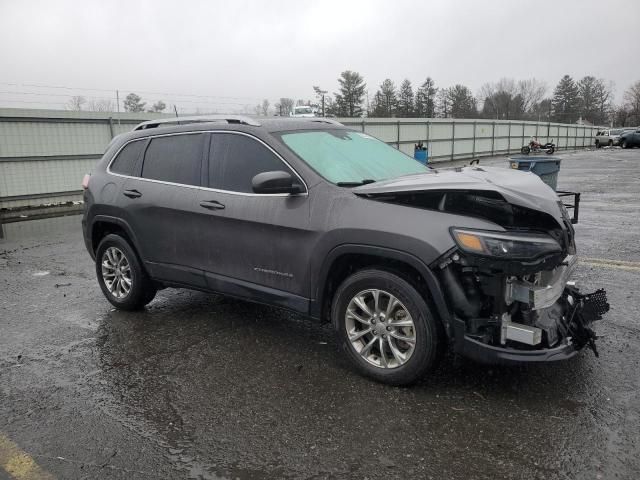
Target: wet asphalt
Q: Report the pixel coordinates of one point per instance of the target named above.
(199, 386)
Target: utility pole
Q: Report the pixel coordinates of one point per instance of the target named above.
(322, 93)
(118, 105)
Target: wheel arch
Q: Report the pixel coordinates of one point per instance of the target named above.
(103, 225)
(349, 258)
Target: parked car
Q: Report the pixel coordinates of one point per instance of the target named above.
(630, 138)
(608, 137)
(331, 223)
(304, 111)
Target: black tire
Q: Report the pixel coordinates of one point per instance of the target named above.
(598, 145)
(610, 143)
(624, 144)
(429, 334)
(525, 150)
(551, 150)
(142, 289)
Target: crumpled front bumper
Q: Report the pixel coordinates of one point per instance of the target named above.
(580, 315)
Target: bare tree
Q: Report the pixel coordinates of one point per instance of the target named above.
(510, 99)
(532, 92)
(286, 106)
(75, 103)
(104, 105)
(264, 108)
(443, 103)
(632, 103)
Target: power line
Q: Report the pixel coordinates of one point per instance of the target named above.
(130, 90)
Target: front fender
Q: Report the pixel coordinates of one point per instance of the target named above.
(318, 288)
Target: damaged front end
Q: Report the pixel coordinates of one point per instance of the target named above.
(509, 289)
(512, 317)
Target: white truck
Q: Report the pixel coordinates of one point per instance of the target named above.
(304, 111)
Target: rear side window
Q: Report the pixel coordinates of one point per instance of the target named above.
(235, 159)
(175, 159)
(125, 162)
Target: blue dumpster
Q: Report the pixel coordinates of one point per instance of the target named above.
(421, 153)
(546, 168)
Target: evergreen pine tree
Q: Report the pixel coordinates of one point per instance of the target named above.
(349, 100)
(425, 104)
(405, 99)
(566, 101)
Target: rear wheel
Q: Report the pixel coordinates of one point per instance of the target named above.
(386, 327)
(525, 150)
(610, 143)
(598, 144)
(121, 276)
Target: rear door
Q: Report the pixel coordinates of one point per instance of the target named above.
(261, 243)
(159, 203)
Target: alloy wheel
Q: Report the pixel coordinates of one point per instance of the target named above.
(116, 272)
(380, 328)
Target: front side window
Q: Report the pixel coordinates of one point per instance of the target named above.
(125, 162)
(235, 159)
(343, 156)
(174, 158)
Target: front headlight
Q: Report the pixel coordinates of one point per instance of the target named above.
(504, 245)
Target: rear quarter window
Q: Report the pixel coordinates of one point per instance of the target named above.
(125, 161)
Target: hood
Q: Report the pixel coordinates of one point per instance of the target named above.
(524, 189)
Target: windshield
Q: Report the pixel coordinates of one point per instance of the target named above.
(616, 132)
(343, 156)
(303, 110)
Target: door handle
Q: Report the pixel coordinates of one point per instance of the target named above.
(132, 193)
(212, 205)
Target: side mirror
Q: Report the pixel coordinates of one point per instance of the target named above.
(275, 182)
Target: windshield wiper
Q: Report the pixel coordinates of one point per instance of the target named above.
(356, 184)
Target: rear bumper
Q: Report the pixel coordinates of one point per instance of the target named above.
(87, 237)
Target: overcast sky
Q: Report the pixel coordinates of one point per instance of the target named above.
(241, 51)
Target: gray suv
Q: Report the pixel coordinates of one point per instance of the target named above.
(305, 214)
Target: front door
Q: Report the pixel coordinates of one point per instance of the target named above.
(262, 242)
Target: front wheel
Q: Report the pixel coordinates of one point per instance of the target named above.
(551, 150)
(598, 144)
(610, 143)
(624, 144)
(121, 276)
(386, 327)
(525, 150)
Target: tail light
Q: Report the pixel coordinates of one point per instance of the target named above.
(85, 181)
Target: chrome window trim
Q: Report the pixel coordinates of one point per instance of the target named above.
(231, 192)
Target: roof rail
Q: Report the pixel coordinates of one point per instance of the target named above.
(326, 120)
(168, 122)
